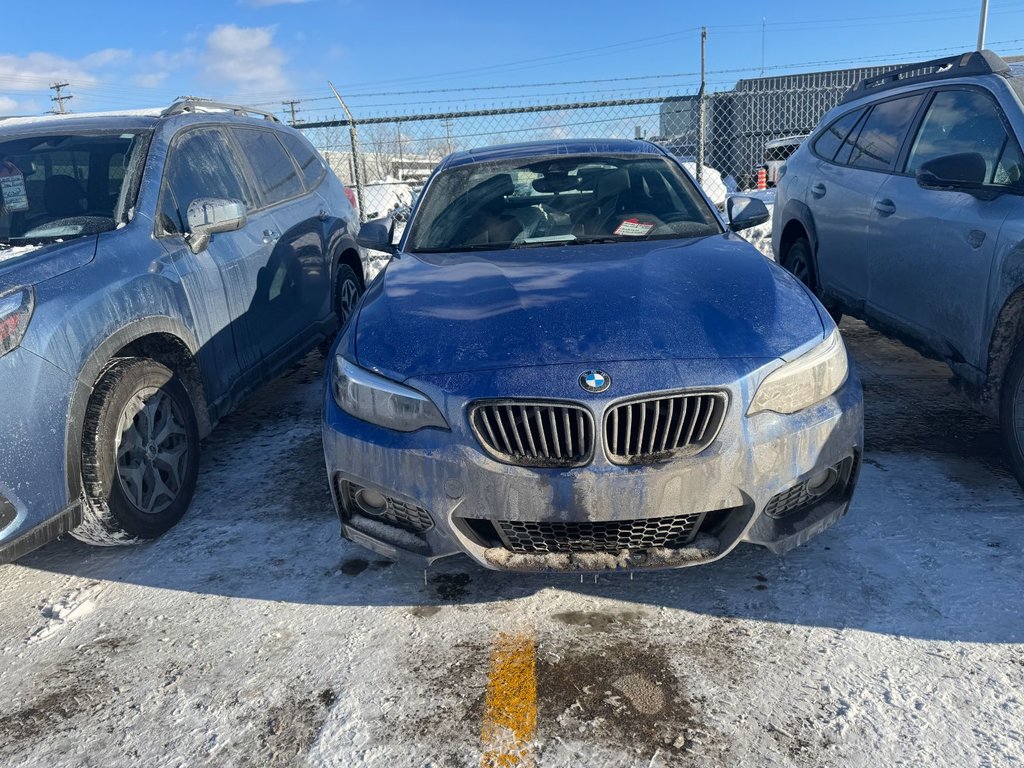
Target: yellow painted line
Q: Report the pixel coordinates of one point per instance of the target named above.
(510, 705)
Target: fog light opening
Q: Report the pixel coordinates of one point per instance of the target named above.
(820, 484)
(371, 502)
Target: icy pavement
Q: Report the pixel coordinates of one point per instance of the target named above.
(250, 635)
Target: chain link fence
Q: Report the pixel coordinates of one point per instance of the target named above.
(724, 138)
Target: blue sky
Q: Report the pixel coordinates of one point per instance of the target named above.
(120, 55)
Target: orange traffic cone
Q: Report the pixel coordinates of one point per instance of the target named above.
(762, 178)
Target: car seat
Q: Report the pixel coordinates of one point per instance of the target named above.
(63, 196)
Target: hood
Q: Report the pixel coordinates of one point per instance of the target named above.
(33, 264)
(713, 297)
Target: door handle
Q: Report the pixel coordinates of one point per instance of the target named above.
(885, 207)
(270, 236)
(818, 190)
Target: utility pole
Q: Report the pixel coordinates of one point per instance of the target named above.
(982, 24)
(701, 110)
(291, 105)
(60, 98)
(764, 25)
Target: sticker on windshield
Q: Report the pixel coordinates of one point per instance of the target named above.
(633, 228)
(13, 196)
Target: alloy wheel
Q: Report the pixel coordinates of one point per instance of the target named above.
(348, 296)
(800, 269)
(151, 450)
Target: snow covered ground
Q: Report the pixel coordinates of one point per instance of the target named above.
(250, 635)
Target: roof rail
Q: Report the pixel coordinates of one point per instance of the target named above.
(962, 65)
(193, 104)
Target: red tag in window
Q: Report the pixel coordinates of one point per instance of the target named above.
(13, 196)
(633, 228)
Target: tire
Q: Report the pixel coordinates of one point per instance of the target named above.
(799, 260)
(122, 464)
(347, 290)
(1011, 412)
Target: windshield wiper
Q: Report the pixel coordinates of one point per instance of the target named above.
(541, 242)
(462, 248)
(599, 240)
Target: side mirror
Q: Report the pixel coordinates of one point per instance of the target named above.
(377, 235)
(209, 215)
(964, 171)
(746, 212)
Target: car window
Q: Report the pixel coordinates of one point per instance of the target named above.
(201, 164)
(539, 201)
(309, 162)
(879, 141)
(843, 155)
(58, 185)
(828, 143)
(272, 167)
(116, 167)
(960, 122)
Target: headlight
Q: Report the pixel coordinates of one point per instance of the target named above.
(15, 312)
(381, 401)
(807, 380)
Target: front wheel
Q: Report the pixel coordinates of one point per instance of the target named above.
(799, 260)
(140, 454)
(1011, 413)
(347, 290)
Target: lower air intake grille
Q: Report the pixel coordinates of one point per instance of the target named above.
(611, 536)
(654, 428)
(387, 509)
(534, 434)
(830, 483)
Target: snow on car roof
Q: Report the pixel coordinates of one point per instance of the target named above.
(7, 122)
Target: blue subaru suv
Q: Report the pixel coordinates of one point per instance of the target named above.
(905, 207)
(154, 269)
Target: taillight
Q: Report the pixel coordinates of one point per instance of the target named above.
(15, 312)
(351, 196)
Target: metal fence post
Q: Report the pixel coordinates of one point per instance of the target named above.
(701, 110)
(353, 136)
(401, 159)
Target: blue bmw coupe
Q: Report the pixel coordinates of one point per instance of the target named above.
(572, 363)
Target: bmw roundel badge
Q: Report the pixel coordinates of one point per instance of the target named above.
(595, 381)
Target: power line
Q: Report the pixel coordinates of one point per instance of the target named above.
(902, 57)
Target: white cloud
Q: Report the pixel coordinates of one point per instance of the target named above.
(36, 71)
(106, 57)
(8, 106)
(245, 58)
(150, 80)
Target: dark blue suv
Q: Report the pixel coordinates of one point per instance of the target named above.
(905, 207)
(154, 269)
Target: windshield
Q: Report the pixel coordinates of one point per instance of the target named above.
(60, 186)
(559, 200)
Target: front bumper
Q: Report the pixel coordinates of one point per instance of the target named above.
(34, 503)
(727, 487)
